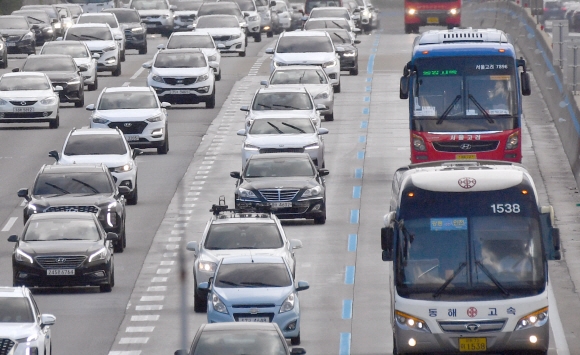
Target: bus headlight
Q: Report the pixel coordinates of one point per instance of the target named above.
(410, 322)
(513, 141)
(453, 12)
(534, 319)
(411, 11)
(419, 143)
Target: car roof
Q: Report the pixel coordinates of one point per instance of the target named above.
(85, 131)
(181, 50)
(13, 16)
(128, 88)
(29, 73)
(281, 88)
(12, 292)
(90, 24)
(35, 10)
(330, 8)
(73, 168)
(286, 114)
(252, 259)
(118, 9)
(217, 15)
(238, 326)
(60, 43)
(304, 33)
(92, 14)
(34, 56)
(191, 33)
(280, 155)
(62, 215)
(298, 67)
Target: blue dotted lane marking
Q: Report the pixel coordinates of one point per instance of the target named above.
(369, 80)
(344, 344)
(367, 99)
(368, 88)
(365, 111)
(349, 275)
(360, 155)
(346, 309)
(352, 242)
(364, 124)
(371, 64)
(358, 173)
(354, 215)
(362, 139)
(356, 191)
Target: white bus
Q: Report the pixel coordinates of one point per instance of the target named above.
(469, 245)
(93, 5)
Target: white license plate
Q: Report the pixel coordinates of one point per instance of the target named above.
(281, 204)
(11, 44)
(60, 272)
(23, 109)
(132, 137)
(254, 319)
(179, 92)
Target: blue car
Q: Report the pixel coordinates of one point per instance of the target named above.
(255, 288)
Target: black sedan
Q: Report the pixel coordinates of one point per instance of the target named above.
(62, 71)
(17, 34)
(63, 249)
(349, 57)
(135, 29)
(40, 23)
(289, 182)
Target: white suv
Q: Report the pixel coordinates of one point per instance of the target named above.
(111, 20)
(23, 329)
(102, 145)
(158, 15)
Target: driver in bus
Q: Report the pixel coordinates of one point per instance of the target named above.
(510, 259)
(497, 98)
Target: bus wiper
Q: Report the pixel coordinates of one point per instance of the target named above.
(275, 127)
(294, 127)
(491, 277)
(58, 188)
(448, 109)
(480, 108)
(87, 185)
(448, 281)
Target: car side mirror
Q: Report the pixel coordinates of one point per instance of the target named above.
(24, 194)
(124, 190)
(59, 38)
(272, 3)
(203, 286)
(15, 70)
(90, 107)
(297, 351)
(47, 319)
(13, 238)
(118, 38)
(323, 172)
(136, 152)
(54, 154)
(525, 82)
(357, 41)
(269, 50)
(241, 132)
(83, 68)
(339, 49)
(404, 88)
(180, 352)
(147, 65)
(58, 88)
(320, 107)
(245, 108)
(322, 131)
(54, 20)
(112, 236)
(172, 8)
(264, 82)
(246, 14)
(302, 285)
(214, 65)
(221, 46)
(235, 174)
(165, 104)
(295, 244)
(161, 46)
(193, 246)
(96, 55)
(387, 234)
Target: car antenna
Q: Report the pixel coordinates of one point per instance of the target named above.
(251, 256)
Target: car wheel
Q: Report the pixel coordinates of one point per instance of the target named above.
(143, 50)
(132, 199)
(337, 88)
(121, 243)
(117, 71)
(354, 71)
(218, 76)
(320, 219)
(199, 302)
(242, 54)
(123, 56)
(165, 147)
(329, 117)
(106, 288)
(295, 340)
(5, 62)
(269, 34)
(54, 123)
(210, 103)
(81, 102)
(408, 29)
(258, 37)
(94, 86)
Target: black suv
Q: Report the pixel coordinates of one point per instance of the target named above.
(79, 188)
(289, 182)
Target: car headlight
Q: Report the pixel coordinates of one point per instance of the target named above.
(322, 95)
(351, 53)
(534, 319)
(99, 255)
(251, 147)
(206, 266)
(74, 82)
(218, 305)
(203, 77)
(236, 36)
(110, 48)
(49, 30)
(157, 78)
(279, 64)
(288, 304)
(48, 101)
(29, 35)
(419, 143)
(312, 146)
(3, 102)
(513, 141)
(411, 11)
(124, 168)
(329, 64)
(23, 257)
(212, 58)
(253, 18)
(315, 191)
(410, 322)
(155, 118)
(99, 120)
(245, 193)
(57, 25)
(137, 30)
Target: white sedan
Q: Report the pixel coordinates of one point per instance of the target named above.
(226, 30)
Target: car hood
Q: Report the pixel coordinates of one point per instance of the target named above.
(280, 113)
(26, 94)
(180, 72)
(81, 61)
(313, 89)
(282, 140)
(143, 13)
(58, 76)
(253, 295)
(62, 247)
(217, 255)
(12, 32)
(286, 182)
(129, 115)
(99, 45)
(130, 25)
(71, 200)
(226, 31)
(305, 58)
(17, 330)
(110, 160)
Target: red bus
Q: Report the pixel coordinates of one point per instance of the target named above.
(431, 13)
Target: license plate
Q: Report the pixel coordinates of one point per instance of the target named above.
(281, 204)
(23, 109)
(465, 156)
(472, 344)
(11, 44)
(254, 319)
(179, 92)
(151, 25)
(132, 137)
(60, 272)
(432, 19)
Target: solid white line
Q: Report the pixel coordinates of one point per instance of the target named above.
(137, 73)
(556, 324)
(9, 224)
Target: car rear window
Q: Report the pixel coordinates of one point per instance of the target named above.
(243, 236)
(279, 167)
(93, 144)
(252, 275)
(21, 82)
(299, 76)
(282, 101)
(300, 44)
(238, 342)
(130, 100)
(110, 20)
(176, 42)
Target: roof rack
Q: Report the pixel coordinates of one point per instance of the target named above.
(243, 210)
(457, 35)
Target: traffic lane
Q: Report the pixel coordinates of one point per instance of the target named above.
(158, 176)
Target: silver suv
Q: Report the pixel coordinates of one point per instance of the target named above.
(23, 329)
(235, 232)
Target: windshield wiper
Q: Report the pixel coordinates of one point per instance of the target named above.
(259, 284)
(491, 277)
(287, 106)
(339, 26)
(231, 283)
(58, 188)
(87, 185)
(294, 127)
(480, 108)
(448, 281)
(339, 36)
(448, 109)
(275, 127)
(93, 38)
(35, 19)
(269, 107)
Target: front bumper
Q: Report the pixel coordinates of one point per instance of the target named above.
(90, 76)
(108, 61)
(25, 46)
(308, 209)
(237, 45)
(70, 93)
(141, 134)
(187, 94)
(347, 63)
(10, 113)
(93, 274)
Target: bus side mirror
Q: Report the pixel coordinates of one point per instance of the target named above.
(525, 82)
(404, 88)
(387, 243)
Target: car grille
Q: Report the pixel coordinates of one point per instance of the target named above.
(97, 52)
(180, 81)
(221, 38)
(465, 146)
(281, 150)
(477, 326)
(26, 114)
(61, 261)
(279, 194)
(129, 127)
(187, 18)
(237, 316)
(26, 103)
(267, 305)
(90, 209)
(5, 346)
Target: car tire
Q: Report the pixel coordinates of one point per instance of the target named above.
(199, 302)
(109, 286)
(94, 86)
(218, 76)
(117, 71)
(408, 29)
(121, 243)
(54, 123)
(320, 219)
(123, 56)
(329, 117)
(295, 340)
(258, 37)
(270, 34)
(210, 103)
(354, 71)
(242, 54)
(132, 199)
(81, 102)
(337, 88)
(165, 147)
(143, 50)
(5, 62)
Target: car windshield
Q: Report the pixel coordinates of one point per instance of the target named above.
(24, 82)
(89, 34)
(243, 236)
(95, 144)
(14, 23)
(15, 310)
(127, 100)
(252, 275)
(34, 17)
(180, 60)
(222, 8)
(239, 342)
(299, 76)
(282, 101)
(245, 5)
(186, 5)
(339, 37)
(74, 50)
(176, 42)
(218, 22)
(61, 229)
(282, 126)
(303, 44)
(321, 3)
(150, 5)
(72, 183)
(330, 12)
(40, 63)
(320, 24)
(75, 10)
(263, 168)
(126, 16)
(51, 11)
(105, 18)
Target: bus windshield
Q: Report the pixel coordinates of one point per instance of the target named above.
(483, 244)
(464, 94)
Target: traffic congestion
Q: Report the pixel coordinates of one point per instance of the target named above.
(161, 146)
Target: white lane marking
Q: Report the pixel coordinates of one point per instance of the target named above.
(556, 324)
(164, 271)
(179, 231)
(151, 317)
(152, 298)
(136, 352)
(174, 239)
(137, 73)
(160, 279)
(127, 83)
(149, 308)
(139, 329)
(156, 288)
(9, 224)
(133, 340)
(167, 263)
(23, 203)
